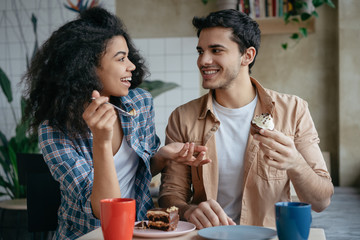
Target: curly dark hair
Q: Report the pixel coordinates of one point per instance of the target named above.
(246, 32)
(62, 75)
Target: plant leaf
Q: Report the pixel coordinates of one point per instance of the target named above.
(315, 14)
(286, 17)
(4, 183)
(3, 139)
(303, 31)
(20, 136)
(294, 36)
(317, 3)
(13, 161)
(295, 19)
(305, 16)
(34, 22)
(36, 44)
(3, 161)
(7, 187)
(298, 5)
(157, 87)
(5, 85)
(284, 46)
(15, 177)
(6, 166)
(330, 3)
(4, 150)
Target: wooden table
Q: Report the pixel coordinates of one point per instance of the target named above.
(315, 234)
(14, 204)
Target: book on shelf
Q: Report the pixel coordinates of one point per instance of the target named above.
(266, 8)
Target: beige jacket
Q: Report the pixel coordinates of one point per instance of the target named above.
(263, 185)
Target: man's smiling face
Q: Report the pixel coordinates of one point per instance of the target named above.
(219, 58)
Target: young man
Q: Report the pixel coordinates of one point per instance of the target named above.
(248, 173)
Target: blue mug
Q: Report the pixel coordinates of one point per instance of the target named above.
(293, 220)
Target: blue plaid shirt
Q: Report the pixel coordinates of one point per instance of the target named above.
(70, 162)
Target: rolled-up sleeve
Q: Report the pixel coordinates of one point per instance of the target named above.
(175, 186)
(307, 141)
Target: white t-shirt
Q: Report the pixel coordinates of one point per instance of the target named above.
(126, 164)
(231, 141)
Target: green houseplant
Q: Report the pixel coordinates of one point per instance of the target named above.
(22, 142)
(301, 12)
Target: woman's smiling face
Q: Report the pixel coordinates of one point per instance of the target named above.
(115, 68)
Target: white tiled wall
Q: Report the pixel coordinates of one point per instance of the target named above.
(17, 40)
(171, 60)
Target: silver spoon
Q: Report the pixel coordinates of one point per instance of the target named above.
(132, 113)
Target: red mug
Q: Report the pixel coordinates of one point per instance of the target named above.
(117, 217)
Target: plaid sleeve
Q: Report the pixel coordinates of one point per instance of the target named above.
(69, 166)
(143, 132)
(150, 132)
(145, 142)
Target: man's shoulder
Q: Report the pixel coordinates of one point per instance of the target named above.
(287, 106)
(193, 105)
(285, 98)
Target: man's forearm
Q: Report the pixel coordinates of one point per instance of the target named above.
(310, 187)
(157, 163)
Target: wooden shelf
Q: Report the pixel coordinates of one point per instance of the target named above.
(278, 26)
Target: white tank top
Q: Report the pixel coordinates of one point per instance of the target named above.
(231, 141)
(126, 163)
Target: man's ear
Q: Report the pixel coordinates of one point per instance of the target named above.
(248, 56)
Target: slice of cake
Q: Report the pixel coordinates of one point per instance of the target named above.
(262, 121)
(165, 219)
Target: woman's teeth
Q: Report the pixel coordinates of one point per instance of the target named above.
(126, 79)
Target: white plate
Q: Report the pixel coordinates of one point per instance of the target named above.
(237, 232)
(182, 228)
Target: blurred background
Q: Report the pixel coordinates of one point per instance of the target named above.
(322, 68)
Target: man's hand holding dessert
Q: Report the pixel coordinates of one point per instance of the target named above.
(208, 214)
(279, 149)
(280, 152)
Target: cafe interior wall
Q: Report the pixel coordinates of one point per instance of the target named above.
(309, 69)
(162, 30)
(349, 82)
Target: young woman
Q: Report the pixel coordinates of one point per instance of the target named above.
(92, 149)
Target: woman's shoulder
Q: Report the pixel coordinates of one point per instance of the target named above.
(139, 94)
(45, 127)
(139, 91)
(46, 131)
